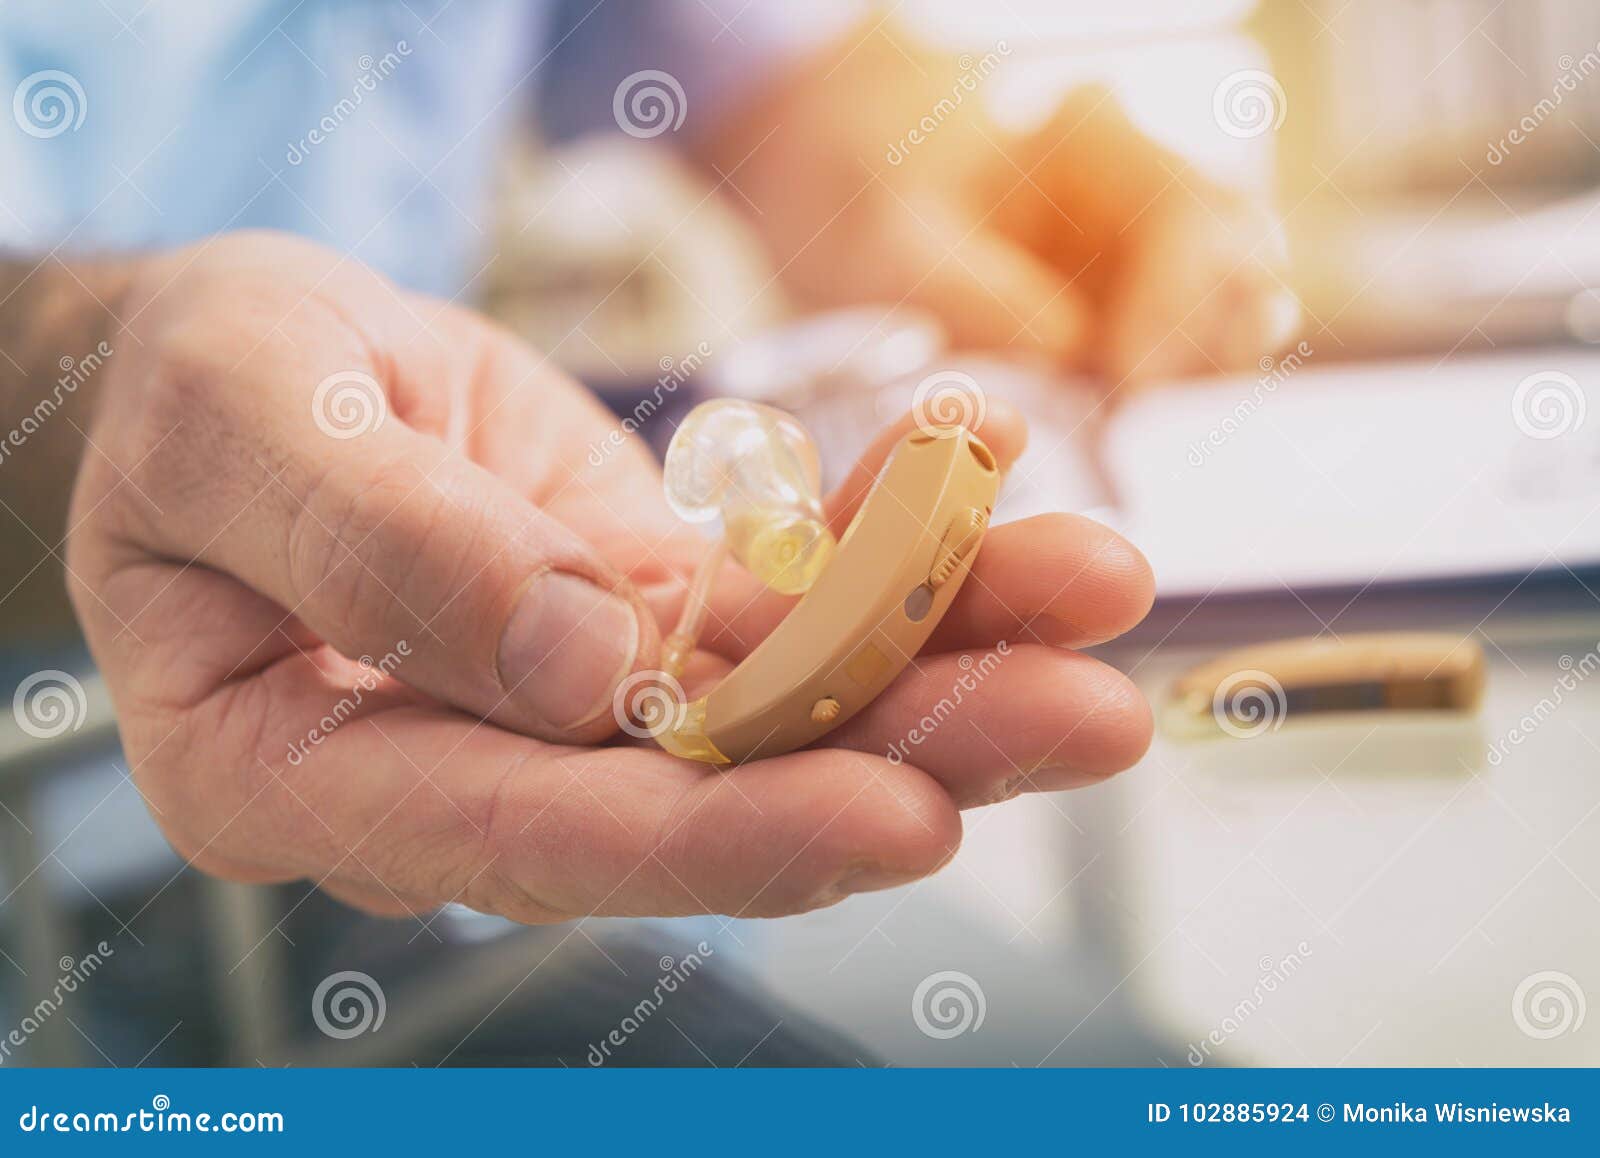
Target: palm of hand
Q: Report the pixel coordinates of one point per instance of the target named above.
(223, 591)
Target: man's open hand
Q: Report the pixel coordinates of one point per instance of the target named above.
(364, 600)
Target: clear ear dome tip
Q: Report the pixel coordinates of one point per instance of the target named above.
(756, 467)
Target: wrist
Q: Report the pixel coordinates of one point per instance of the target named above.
(60, 330)
(59, 324)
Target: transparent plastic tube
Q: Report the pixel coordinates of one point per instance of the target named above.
(679, 646)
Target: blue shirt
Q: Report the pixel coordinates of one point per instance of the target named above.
(370, 125)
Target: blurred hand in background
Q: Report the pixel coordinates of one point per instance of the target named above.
(875, 175)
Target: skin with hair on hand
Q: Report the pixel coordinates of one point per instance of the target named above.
(231, 560)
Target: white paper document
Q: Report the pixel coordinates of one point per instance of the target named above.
(1308, 475)
(1357, 474)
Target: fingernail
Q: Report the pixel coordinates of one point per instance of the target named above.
(568, 645)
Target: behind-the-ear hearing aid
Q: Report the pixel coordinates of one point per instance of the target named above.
(870, 600)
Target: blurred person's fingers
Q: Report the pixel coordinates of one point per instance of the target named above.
(1185, 276)
(989, 292)
(1073, 240)
(1200, 292)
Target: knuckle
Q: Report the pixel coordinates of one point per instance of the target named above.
(341, 547)
(499, 880)
(500, 893)
(163, 430)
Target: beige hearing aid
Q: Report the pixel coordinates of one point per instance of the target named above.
(1265, 684)
(870, 600)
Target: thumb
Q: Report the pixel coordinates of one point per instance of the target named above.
(992, 293)
(389, 538)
